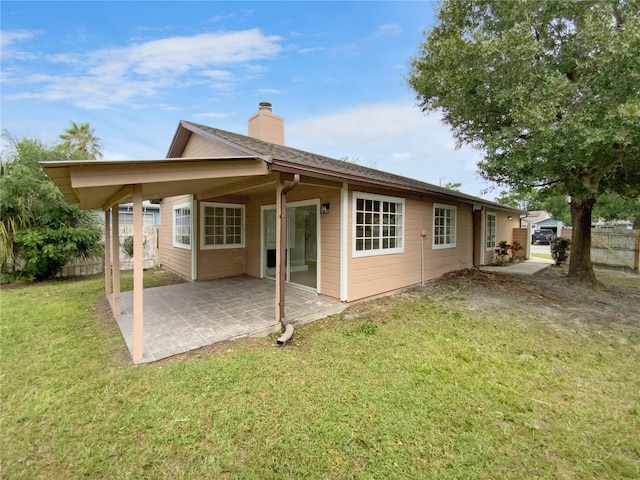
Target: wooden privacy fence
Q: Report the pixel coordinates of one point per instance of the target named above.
(89, 266)
(616, 249)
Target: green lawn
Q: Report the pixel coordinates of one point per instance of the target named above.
(542, 255)
(417, 386)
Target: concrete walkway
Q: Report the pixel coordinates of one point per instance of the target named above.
(186, 316)
(528, 267)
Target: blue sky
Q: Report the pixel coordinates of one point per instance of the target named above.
(334, 70)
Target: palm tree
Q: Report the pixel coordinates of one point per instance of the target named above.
(81, 139)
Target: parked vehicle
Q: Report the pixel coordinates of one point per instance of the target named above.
(544, 237)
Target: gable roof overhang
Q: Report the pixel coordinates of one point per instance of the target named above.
(103, 183)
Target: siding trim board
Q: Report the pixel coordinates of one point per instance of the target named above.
(344, 242)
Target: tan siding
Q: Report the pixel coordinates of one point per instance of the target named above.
(198, 146)
(439, 261)
(329, 248)
(521, 236)
(504, 226)
(375, 275)
(177, 260)
(220, 263)
(224, 262)
(504, 231)
(330, 243)
(254, 223)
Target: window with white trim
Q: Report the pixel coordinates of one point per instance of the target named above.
(377, 224)
(221, 225)
(491, 231)
(444, 226)
(182, 226)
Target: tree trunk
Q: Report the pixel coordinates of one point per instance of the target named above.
(580, 266)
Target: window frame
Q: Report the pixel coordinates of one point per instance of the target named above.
(176, 243)
(451, 244)
(380, 250)
(203, 244)
(487, 237)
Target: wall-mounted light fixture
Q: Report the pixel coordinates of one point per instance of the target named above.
(324, 208)
(509, 217)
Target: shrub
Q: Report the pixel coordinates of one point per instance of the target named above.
(46, 250)
(39, 230)
(560, 250)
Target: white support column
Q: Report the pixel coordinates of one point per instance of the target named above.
(195, 238)
(108, 286)
(115, 259)
(138, 297)
(344, 242)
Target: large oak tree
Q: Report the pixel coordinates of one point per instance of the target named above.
(549, 90)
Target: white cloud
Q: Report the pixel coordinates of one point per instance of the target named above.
(213, 115)
(125, 75)
(270, 91)
(397, 138)
(310, 50)
(218, 74)
(389, 29)
(10, 37)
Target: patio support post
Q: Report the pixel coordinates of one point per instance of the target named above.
(281, 225)
(281, 248)
(107, 252)
(138, 307)
(115, 258)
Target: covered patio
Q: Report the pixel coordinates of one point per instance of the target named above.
(183, 317)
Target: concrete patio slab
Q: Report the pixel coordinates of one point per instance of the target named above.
(186, 316)
(528, 267)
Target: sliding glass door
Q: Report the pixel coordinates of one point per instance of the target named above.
(301, 257)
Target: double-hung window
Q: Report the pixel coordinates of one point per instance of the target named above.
(491, 231)
(182, 226)
(221, 225)
(378, 223)
(444, 226)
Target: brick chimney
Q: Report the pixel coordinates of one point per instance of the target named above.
(266, 126)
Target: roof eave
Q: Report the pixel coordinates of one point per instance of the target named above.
(283, 166)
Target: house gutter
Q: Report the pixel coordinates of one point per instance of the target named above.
(286, 326)
(440, 193)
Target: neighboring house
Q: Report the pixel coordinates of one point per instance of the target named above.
(150, 213)
(621, 226)
(539, 219)
(351, 232)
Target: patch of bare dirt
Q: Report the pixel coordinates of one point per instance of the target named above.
(547, 296)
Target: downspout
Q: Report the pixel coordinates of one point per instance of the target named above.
(423, 234)
(286, 326)
(480, 243)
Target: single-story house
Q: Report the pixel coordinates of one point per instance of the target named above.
(539, 219)
(236, 204)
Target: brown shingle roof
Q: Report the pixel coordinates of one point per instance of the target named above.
(331, 166)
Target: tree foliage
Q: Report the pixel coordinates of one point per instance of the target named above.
(81, 138)
(39, 231)
(609, 207)
(453, 186)
(549, 90)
